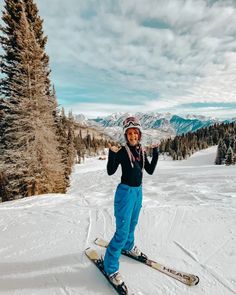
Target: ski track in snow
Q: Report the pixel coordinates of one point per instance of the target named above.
(212, 272)
(89, 227)
(187, 222)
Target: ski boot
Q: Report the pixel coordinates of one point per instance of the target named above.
(137, 254)
(117, 280)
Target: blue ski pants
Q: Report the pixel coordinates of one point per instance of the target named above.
(127, 205)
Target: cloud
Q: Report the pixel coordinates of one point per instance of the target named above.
(166, 52)
(93, 110)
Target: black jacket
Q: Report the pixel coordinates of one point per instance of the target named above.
(131, 176)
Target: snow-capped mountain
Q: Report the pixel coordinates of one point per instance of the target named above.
(184, 125)
(155, 126)
(163, 122)
(84, 121)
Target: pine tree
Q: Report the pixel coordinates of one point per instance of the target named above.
(36, 24)
(71, 152)
(221, 151)
(70, 116)
(80, 147)
(184, 152)
(62, 136)
(229, 159)
(11, 18)
(193, 141)
(234, 158)
(234, 145)
(29, 150)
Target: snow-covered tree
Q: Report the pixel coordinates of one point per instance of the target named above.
(11, 17)
(187, 144)
(71, 152)
(229, 159)
(29, 154)
(221, 152)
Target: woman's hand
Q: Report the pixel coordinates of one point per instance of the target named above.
(114, 148)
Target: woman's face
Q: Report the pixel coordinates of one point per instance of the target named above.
(133, 136)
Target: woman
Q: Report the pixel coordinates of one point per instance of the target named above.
(128, 196)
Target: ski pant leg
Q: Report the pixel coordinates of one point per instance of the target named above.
(137, 191)
(123, 208)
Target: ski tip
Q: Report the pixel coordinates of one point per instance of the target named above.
(92, 254)
(194, 280)
(197, 281)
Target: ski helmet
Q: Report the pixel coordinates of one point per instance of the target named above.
(132, 122)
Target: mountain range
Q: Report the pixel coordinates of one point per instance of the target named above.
(155, 125)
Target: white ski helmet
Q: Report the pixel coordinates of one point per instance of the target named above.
(132, 122)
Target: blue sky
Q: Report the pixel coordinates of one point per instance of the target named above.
(175, 56)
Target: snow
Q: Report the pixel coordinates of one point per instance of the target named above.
(187, 222)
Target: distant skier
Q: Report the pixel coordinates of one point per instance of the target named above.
(128, 196)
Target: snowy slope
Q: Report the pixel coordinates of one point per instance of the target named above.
(187, 221)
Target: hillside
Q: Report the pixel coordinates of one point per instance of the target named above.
(187, 222)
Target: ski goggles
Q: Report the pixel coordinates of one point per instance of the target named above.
(131, 121)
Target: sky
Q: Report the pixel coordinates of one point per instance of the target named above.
(176, 56)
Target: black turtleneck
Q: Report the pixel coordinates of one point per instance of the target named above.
(131, 176)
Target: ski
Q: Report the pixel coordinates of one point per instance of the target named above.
(98, 261)
(183, 277)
